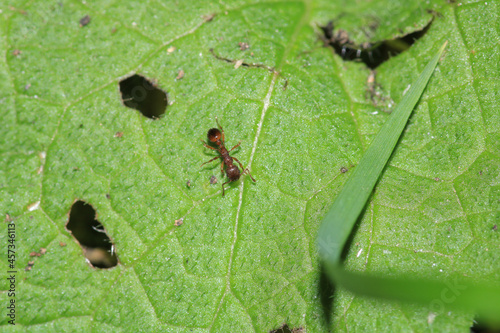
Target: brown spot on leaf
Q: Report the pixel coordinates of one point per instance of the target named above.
(243, 46)
(180, 75)
(29, 266)
(209, 17)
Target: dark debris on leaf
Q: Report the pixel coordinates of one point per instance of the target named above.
(286, 329)
(240, 62)
(84, 21)
(243, 46)
(375, 92)
(29, 266)
(285, 85)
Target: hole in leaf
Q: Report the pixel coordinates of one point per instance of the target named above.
(91, 235)
(144, 96)
(286, 329)
(372, 54)
(482, 327)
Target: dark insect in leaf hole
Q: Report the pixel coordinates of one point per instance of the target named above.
(216, 136)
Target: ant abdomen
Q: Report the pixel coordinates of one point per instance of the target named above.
(233, 173)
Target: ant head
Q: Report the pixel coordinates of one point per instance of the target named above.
(233, 173)
(214, 135)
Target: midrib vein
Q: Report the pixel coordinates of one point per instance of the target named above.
(267, 102)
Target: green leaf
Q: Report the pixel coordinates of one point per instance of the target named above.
(246, 261)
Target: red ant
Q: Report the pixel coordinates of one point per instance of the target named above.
(216, 136)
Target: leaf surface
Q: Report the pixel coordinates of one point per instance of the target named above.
(246, 261)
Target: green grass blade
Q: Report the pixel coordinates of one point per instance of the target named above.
(339, 221)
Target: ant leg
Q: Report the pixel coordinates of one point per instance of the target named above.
(237, 160)
(248, 173)
(213, 159)
(223, 186)
(239, 143)
(220, 127)
(222, 167)
(206, 145)
(243, 168)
